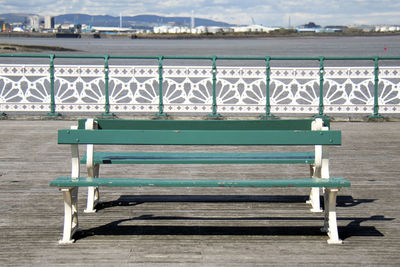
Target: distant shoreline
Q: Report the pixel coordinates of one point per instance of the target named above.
(16, 48)
(258, 35)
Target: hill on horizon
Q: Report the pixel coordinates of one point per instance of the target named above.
(138, 21)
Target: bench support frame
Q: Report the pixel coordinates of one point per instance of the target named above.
(71, 224)
(93, 197)
(330, 222)
(70, 195)
(320, 169)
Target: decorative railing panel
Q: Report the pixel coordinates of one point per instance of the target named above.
(199, 89)
(24, 88)
(134, 89)
(79, 88)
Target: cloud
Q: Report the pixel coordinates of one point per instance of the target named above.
(221, 2)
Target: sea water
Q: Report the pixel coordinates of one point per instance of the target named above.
(354, 46)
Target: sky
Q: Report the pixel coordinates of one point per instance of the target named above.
(263, 12)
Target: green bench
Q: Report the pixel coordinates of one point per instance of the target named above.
(299, 132)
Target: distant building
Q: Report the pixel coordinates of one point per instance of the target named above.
(211, 29)
(309, 27)
(111, 29)
(200, 30)
(254, 28)
(173, 29)
(161, 29)
(387, 28)
(364, 28)
(335, 28)
(68, 28)
(48, 22)
(307, 30)
(214, 29)
(34, 23)
(18, 29)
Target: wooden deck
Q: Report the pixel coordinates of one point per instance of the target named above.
(190, 227)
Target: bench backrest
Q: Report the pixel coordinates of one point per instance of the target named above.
(292, 124)
(169, 132)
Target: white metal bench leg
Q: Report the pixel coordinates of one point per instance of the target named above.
(314, 194)
(320, 168)
(70, 214)
(314, 200)
(330, 223)
(326, 212)
(92, 199)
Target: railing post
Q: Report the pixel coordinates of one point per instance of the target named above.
(52, 94)
(160, 113)
(321, 89)
(376, 87)
(3, 115)
(268, 114)
(106, 89)
(214, 89)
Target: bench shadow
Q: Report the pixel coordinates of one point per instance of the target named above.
(115, 228)
(354, 228)
(130, 200)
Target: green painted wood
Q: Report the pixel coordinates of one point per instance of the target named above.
(81, 124)
(199, 137)
(128, 182)
(201, 158)
(118, 124)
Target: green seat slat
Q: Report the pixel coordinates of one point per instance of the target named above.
(199, 137)
(290, 124)
(129, 182)
(201, 158)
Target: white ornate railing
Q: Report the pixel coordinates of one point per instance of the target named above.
(199, 89)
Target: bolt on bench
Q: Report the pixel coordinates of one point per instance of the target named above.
(297, 132)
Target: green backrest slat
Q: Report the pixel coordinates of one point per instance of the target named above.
(201, 158)
(199, 137)
(118, 124)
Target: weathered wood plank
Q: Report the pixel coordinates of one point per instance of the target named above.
(180, 227)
